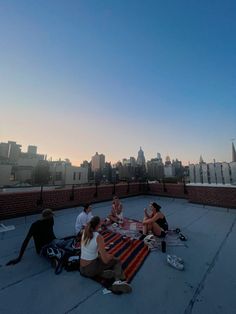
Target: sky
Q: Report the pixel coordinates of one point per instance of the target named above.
(86, 76)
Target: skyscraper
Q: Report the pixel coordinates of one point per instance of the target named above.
(10, 150)
(233, 152)
(141, 158)
(98, 162)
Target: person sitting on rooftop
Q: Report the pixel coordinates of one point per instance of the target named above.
(42, 233)
(95, 261)
(116, 214)
(155, 221)
(83, 218)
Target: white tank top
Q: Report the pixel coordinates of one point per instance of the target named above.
(90, 250)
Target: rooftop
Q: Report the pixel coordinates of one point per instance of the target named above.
(207, 285)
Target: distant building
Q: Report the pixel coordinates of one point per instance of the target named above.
(32, 150)
(169, 171)
(6, 177)
(168, 161)
(4, 148)
(129, 162)
(155, 169)
(201, 161)
(63, 173)
(233, 153)
(179, 169)
(213, 173)
(141, 159)
(159, 157)
(132, 162)
(97, 162)
(10, 151)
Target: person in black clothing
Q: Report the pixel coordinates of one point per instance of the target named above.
(42, 233)
(155, 221)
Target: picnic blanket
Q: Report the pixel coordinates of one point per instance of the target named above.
(132, 228)
(131, 252)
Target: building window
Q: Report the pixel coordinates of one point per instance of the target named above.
(79, 175)
(74, 176)
(58, 176)
(12, 177)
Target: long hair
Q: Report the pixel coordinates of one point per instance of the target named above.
(156, 206)
(89, 229)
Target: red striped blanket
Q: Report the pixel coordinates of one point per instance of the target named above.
(131, 253)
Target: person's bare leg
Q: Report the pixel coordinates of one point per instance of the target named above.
(113, 218)
(150, 227)
(156, 229)
(145, 226)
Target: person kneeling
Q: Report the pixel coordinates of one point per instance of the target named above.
(96, 261)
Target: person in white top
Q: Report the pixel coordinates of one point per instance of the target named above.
(83, 218)
(95, 261)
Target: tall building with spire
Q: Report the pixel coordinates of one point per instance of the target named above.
(141, 159)
(233, 153)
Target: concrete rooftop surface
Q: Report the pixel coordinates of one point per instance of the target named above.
(207, 285)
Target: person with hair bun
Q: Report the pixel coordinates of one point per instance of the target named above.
(155, 221)
(96, 261)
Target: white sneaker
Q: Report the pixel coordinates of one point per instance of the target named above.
(121, 286)
(73, 258)
(175, 262)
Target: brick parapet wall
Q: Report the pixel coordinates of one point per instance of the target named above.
(168, 190)
(25, 203)
(213, 196)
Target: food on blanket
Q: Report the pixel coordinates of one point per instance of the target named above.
(120, 222)
(107, 220)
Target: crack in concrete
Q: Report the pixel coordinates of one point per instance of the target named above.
(25, 278)
(82, 301)
(193, 221)
(201, 285)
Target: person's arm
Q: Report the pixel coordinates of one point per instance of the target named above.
(106, 257)
(22, 250)
(113, 211)
(151, 219)
(120, 209)
(146, 214)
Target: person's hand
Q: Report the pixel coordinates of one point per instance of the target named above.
(13, 261)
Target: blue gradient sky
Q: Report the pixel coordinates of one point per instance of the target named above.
(78, 77)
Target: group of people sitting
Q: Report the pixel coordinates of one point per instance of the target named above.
(94, 259)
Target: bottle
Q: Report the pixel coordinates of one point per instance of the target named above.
(163, 246)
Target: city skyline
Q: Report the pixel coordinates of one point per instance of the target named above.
(109, 77)
(139, 153)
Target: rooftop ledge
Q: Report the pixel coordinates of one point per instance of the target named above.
(29, 202)
(212, 185)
